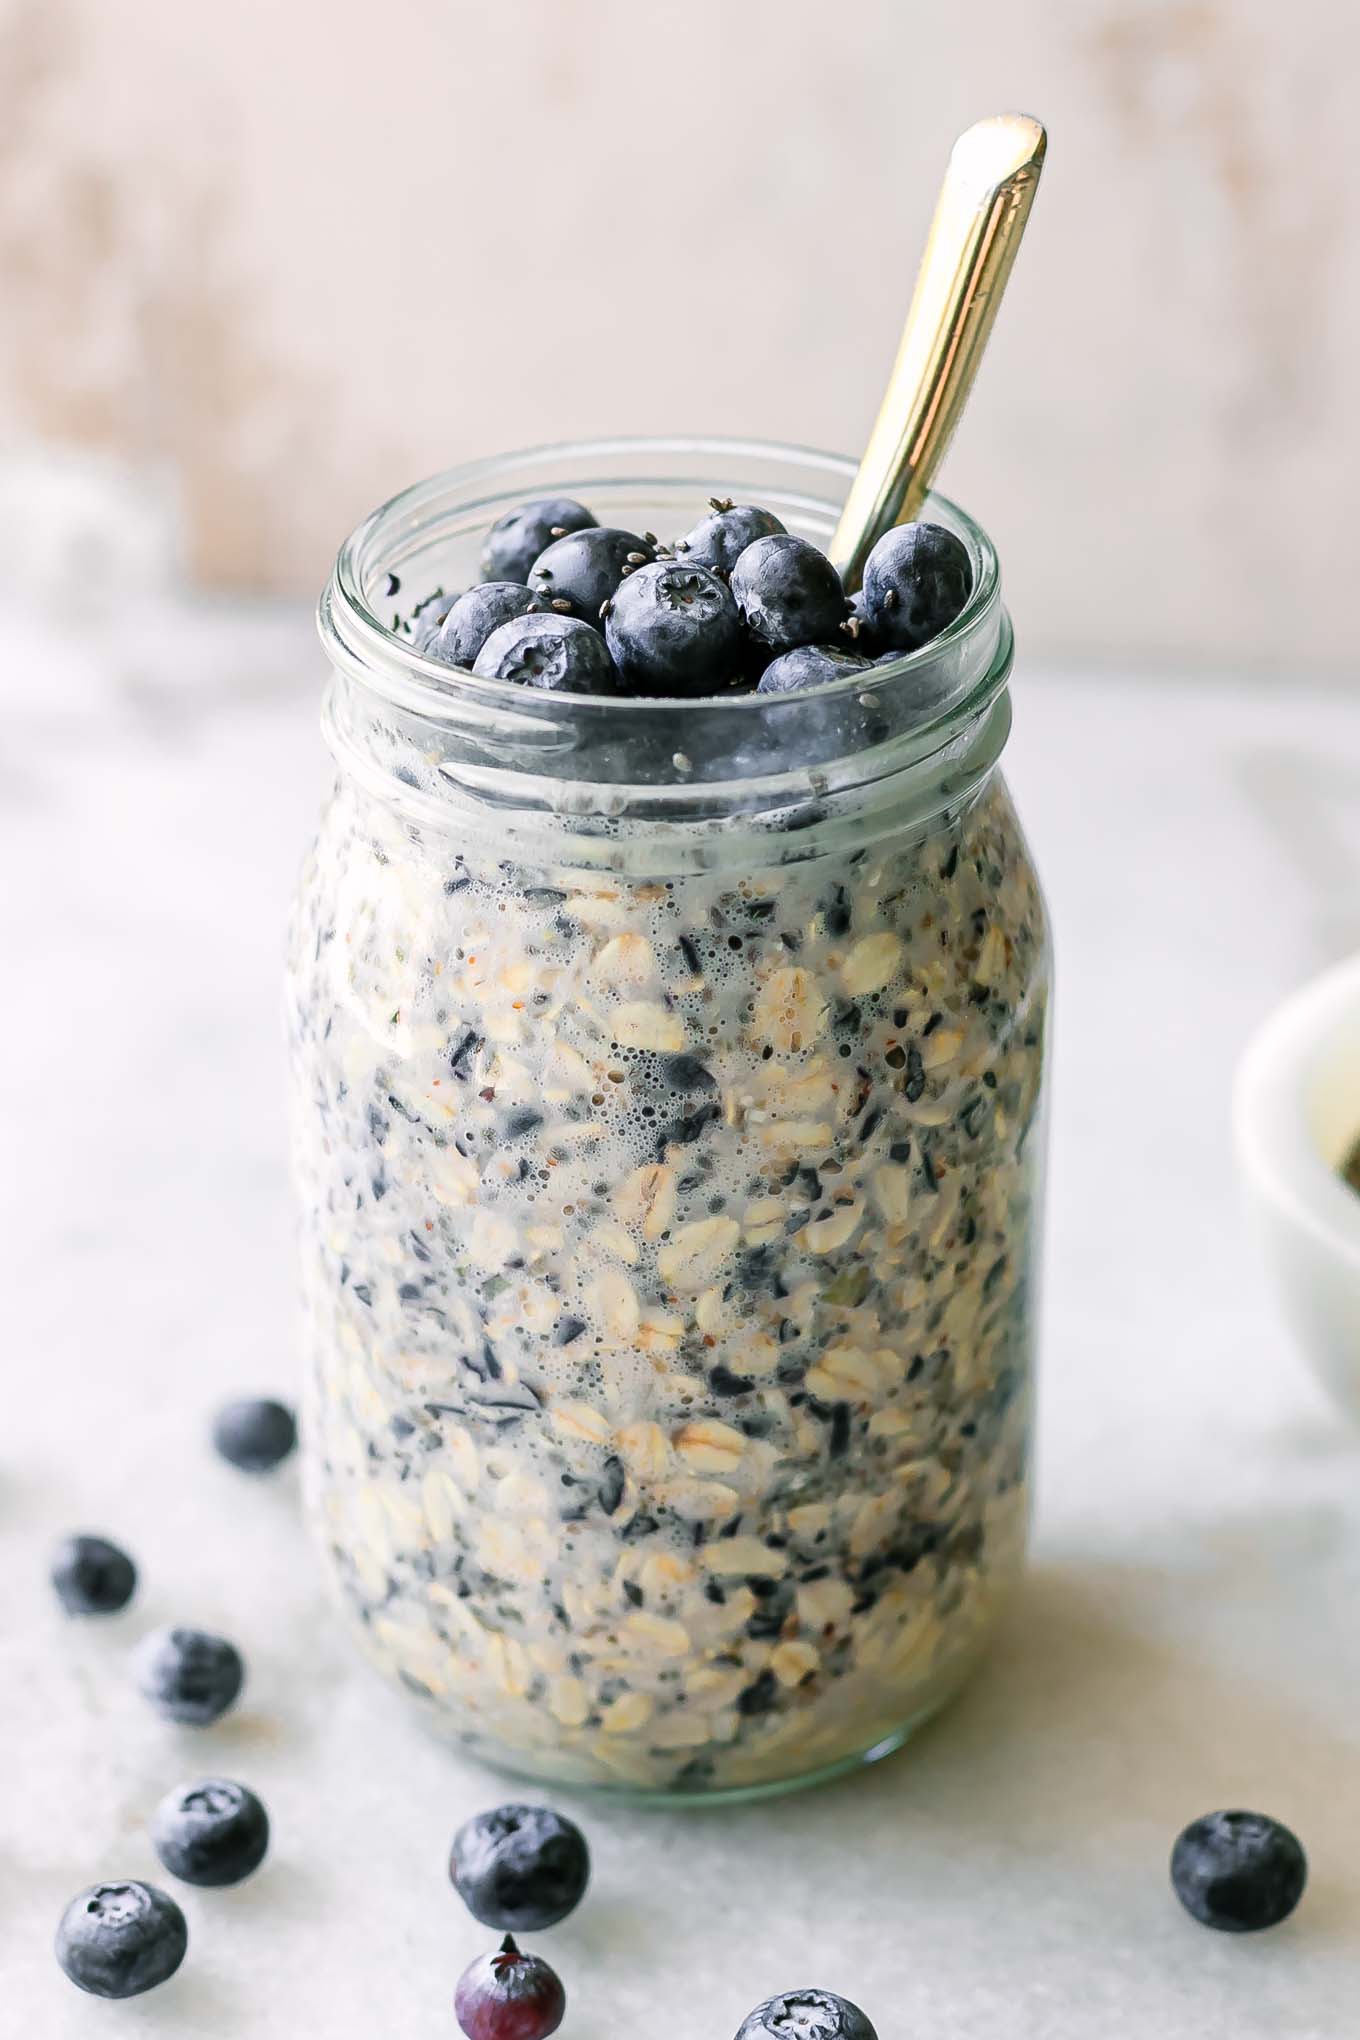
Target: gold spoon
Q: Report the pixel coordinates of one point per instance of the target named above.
(979, 218)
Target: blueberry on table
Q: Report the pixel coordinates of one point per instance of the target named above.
(718, 540)
(515, 541)
(117, 1940)
(1238, 1872)
(809, 666)
(578, 574)
(916, 580)
(189, 1676)
(509, 1996)
(92, 1576)
(255, 1434)
(788, 593)
(212, 1833)
(673, 629)
(520, 1868)
(475, 615)
(559, 653)
(806, 2015)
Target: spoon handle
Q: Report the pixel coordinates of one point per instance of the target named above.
(983, 206)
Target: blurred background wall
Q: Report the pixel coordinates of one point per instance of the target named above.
(263, 263)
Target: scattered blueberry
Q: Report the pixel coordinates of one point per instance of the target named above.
(515, 541)
(212, 1833)
(1238, 1871)
(255, 1434)
(509, 1996)
(92, 1576)
(718, 541)
(788, 593)
(582, 570)
(674, 629)
(916, 580)
(475, 615)
(117, 1940)
(809, 666)
(806, 2015)
(427, 616)
(520, 1868)
(189, 1676)
(559, 653)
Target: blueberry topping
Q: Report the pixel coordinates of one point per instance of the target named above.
(255, 1435)
(809, 666)
(509, 1996)
(916, 580)
(718, 541)
(559, 653)
(788, 593)
(515, 541)
(578, 574)
(674, 629)
(92, 1576)
(189, 1676)
(474, 616)
(806, 2015)
(212, 1833)
(117, 1940)
(427, 616)
(520, 1868)
(1238, 1872)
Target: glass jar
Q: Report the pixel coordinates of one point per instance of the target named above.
(668, 1131)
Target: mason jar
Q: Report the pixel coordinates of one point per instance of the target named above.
(668, 1089)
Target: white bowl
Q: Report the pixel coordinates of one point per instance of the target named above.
(1296, 1115)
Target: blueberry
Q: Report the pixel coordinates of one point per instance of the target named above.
(212, 1833)
(674, 629)
(718, 541)
(188, 1675)
(474, 616)
(117, 1940)
(92, 1576)
(582, 570)
(515, 541)
(559, 653)
(788, 593)
(427, 616)
(520, 1868)
(809, 666)
(509, 1996)
(255, 1434)
(916, 580)
(806, 2015)
(1238, 1871)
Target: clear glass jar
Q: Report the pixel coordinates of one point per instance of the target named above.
(668, 1083)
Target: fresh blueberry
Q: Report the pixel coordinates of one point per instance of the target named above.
(674, 629)
(520, 1868)
(559, 653)
(427, 616)
(578, 574)
(475, 615)
(809, 666)
(788, 593)
(718, 541)
(188, 1675)
(916, 580)
(509, 1996)
(857, 630)
(117, 1940)
(255, 1434)
(212, 1833)
(1238, 1871)
(806, 2015)
(92, 1576)
(515, 541)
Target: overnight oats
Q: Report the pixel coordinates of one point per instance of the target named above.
(668, 1074)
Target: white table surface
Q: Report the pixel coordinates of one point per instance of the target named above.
(1188, 1637)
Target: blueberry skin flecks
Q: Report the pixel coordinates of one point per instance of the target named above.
(515, 541)
(1238, 1872)
(255, 1435)
(673, 628)
(92, 1576)
(118, 1940)
(809, 666)
(585, 568)
(475, 615)
(718, 540)
(916, 581)
(189, 1676)
(806, 2015)
(520, 1868)
(788, 593)
(212, 1833)
(560, 654)
(509, 1996)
